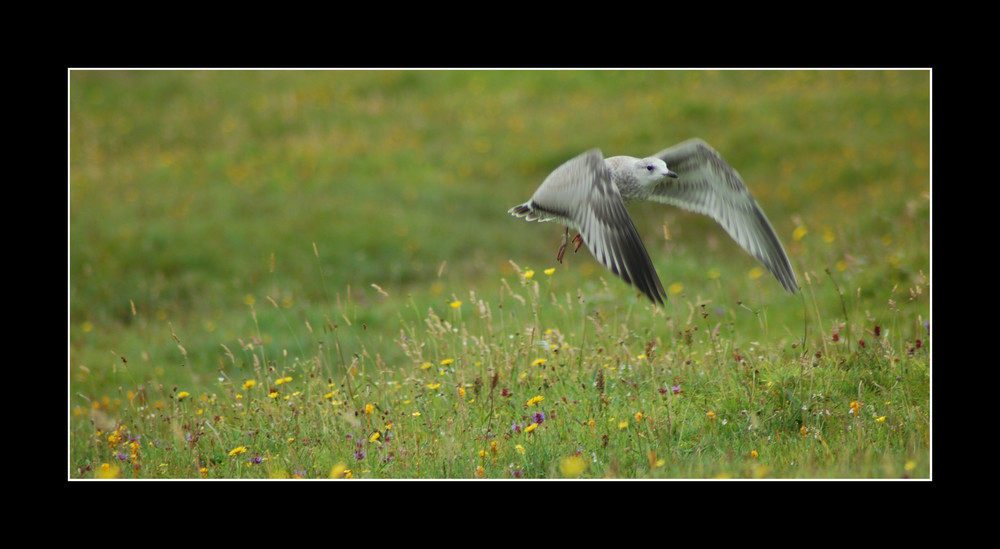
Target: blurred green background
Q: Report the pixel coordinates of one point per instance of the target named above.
(196, 194)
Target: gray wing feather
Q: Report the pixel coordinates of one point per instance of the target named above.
(581, 195)
(706, 184)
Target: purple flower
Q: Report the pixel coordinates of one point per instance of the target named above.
(539, 417)
(515, 427)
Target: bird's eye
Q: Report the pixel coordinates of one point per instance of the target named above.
(649, 167)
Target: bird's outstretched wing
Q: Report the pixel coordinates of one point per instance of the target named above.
(581, 195)
(706, 184)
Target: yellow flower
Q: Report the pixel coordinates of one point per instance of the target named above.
(675, 288)
(249, 384)
(238, 450)
(461, 392)
(433, 386)
(369, 409)
(623, 424)
(425, 365)
(855, 408)
(338, 470)
(415, 414)
(529, 273)
(519, 448)
(447, 361)
(456, 304)
(549, 271)
(279, 381)
(538, 361)
(182, 395)
(638, 417)
(910, 465)
(535, 400)
(494, 446)
(273, 394)
(756, 273)
(572, 466)
(880, 419)
(374, 436)
(800, 232)
(714, 273)
(108, 471)
(711, 415)
(480, 472)
(531, 428)
(754, 454)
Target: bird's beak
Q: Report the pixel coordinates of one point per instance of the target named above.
(671, 174)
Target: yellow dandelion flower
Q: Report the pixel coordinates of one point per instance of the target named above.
(675, 288)
(248, 384)
(910, 465)
(529, 273)
(623, 424)
(369, 409)
(711, 415)
(480, 472)
(375, 436)
(641, 357)
(433, 386)
(273, 394)
(494, 446)
(456, 304)
(182, 395)
(238, 450)
(803, 430)
(482, 454)
(855, 408)
(800, 232)
(754, 454)
(447, 361)
(108, 471)
(549, 271)
(531, 428)
(338, 471)
(328, 396)
(535, 400)
(519, 448)
(880, 419)
(572, 466)
(591, 424)
(756, 273)
(415, 414)
(538, 361)
(638, 417)
(425, 365)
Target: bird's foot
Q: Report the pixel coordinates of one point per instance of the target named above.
(578, 240)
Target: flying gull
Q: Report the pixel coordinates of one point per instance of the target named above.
(588, 194)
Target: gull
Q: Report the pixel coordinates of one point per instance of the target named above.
(588, 194)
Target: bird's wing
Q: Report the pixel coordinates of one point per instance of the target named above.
(706, 184)
(581, 194)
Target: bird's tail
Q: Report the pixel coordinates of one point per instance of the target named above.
(528, 213)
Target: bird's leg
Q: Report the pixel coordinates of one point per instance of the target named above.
(578, 240)
(562, 247)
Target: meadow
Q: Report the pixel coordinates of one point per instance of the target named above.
(312, 274)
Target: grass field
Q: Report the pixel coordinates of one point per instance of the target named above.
(312, 274)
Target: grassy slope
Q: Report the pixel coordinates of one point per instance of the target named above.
(198, 198)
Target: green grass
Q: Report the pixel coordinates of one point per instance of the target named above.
(228, 227)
